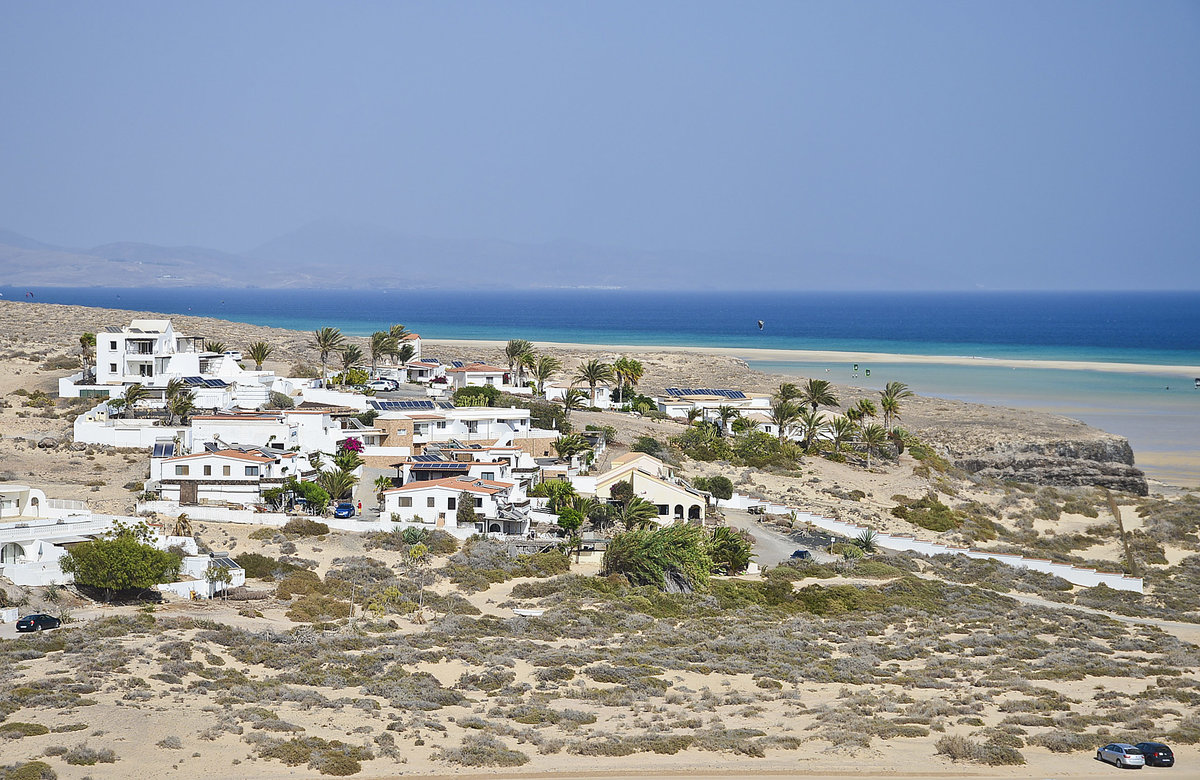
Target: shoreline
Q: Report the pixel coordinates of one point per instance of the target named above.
(766, 354)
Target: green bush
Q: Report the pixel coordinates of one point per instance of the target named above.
(315, 608)
(674, 556)
(264, 567)
(30, 770)
(302, 526)
(482, 750)
(16, 730)
(927, 512)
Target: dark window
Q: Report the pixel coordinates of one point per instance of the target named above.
(452, 503)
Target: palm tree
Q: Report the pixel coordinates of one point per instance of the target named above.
(889, 401)
(117, 405)
(865, 409)
(891, 409)
(783, 415)
(872, 437)
(811, 423)
(743, 424)
(398, 332)
(693, 414)
(214, 346)
(134, 394)
(570, 444)
(183, 405)
(637, 513)
(842, 430)
(544, 369)
(381, 484)
(515, 351)
(628, 372)
(351, 357)
(259, 352)
(337, 483)
(174, 387)
(325, 341)
(726, 414)
(573, 399)
(87, 347)
(787, 392)
(593, 373)
(818, 392)
(383, 344)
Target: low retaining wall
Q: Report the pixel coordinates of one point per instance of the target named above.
(1076, 575)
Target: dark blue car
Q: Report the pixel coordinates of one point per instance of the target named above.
(38, 623)
(344, 509)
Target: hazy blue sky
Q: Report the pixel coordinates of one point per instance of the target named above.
(1056, 137)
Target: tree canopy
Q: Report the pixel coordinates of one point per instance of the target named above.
(120, 564)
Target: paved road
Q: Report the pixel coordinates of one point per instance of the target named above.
(771, 548)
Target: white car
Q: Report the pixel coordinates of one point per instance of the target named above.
(1122, 755)
(383, 385)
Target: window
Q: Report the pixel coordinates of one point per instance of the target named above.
(663, 509)
(208, 471)
(429, 502)
(405, 502)
(478, 503)
(224, 471)
(112, 345)
(452, 503)
(112, 368)
(489, 475)
(181, 471)
(252, 471)
(473, 427)
(441, 424)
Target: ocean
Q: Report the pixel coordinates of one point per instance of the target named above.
(1158, 410)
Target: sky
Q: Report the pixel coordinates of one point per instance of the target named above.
(1052, 140)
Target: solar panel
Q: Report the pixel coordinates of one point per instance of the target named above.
(678, 392)
(163, 449)
(396, 406)
(215, 383)
(457, 363)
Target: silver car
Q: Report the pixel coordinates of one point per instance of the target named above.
(1121, 754)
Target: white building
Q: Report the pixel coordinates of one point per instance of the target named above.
(499, 507)
(652, 480)
(237, 476)
(557, 391)
(193, 580)
(478, 375)
(678, 401)
(151, 353)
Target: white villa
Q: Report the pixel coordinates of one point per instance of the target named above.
(678, 401)
(556, 391)
(478, 375)
(235, 476)
(151, 353)
(500, 507)
(193, 580)
(651, 480)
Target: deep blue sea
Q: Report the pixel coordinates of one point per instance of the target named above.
(1122, 327)
(1160, 414)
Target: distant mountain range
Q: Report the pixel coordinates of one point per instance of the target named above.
(346, 256)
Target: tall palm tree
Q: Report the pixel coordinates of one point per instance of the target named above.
(593, 373)
(87, 348)
(214, 346)
(811, 424)
(783, 415)
(544, 369)
(527, 362)
(693, 414)
(841, 431)
(174, 387)
(865, 409)
(570, 444)
(818, 392)
(889, 401)
(326, 341)
(872, 438)
(259, 352)
(572, 400)
(381, 484)
(628, 372)
(352, 355)
(337, 483)
(382, 344)
(405, 353)
(515, 350)
(135, 394)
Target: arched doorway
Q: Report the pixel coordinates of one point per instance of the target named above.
(495, 528)
(679, 511)
(35, 504)
(10, 552)
(694, 512)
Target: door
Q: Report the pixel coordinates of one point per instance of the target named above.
(187, 493)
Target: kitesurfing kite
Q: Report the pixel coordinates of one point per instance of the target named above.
(760, 324)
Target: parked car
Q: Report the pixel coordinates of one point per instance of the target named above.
(382, 385)
(802, 555)
(344, 509)
(38, 623)
(1156, 753)
(1122, 755)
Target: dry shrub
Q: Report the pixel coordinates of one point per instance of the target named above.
(482, 750)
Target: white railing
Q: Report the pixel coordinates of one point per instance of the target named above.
(65, 503)
(1076, 575)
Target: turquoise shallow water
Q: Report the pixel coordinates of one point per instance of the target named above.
(1159, 415)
